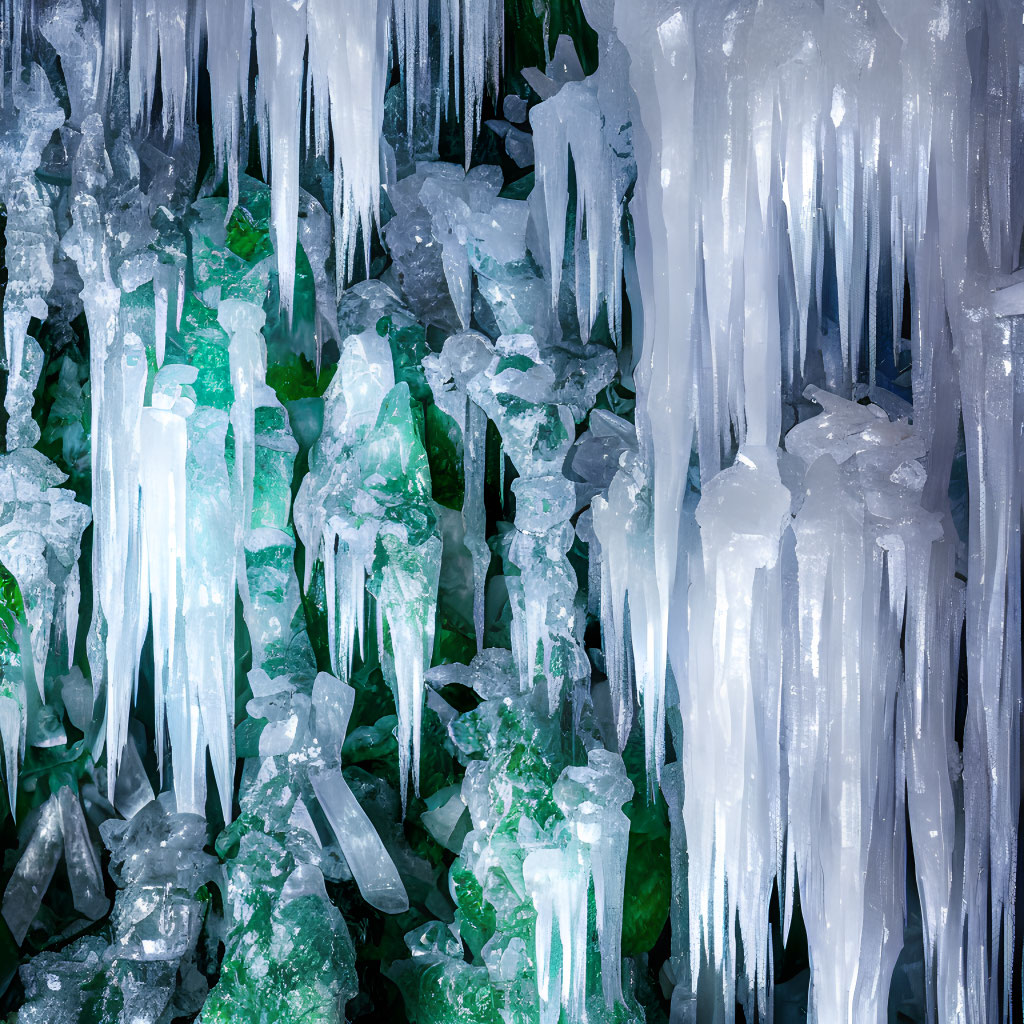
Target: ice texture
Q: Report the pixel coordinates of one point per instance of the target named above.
(364, 511)
(791, 479)
(59, 830)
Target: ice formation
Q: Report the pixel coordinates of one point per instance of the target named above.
(605, 414)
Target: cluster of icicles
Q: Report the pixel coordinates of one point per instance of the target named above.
(796, 162)
(781, 141)
(334, 56)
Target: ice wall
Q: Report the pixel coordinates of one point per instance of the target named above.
(782, 557)
(795, 161)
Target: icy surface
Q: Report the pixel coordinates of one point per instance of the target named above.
(364, 510)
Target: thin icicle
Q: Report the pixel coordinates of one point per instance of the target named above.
(281, 47)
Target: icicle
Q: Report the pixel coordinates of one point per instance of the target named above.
(470, 49)
(482, 44)
(590, 851)
(861, 486)
(730, 751)
(209, 593)
(229, 34)
(118, 378)
(280, 47)
(348, 50)
(244, 320)
(163, 484)
(622, 523)
(989, 351)
(659, 38)
(406, 604)
(592, 799)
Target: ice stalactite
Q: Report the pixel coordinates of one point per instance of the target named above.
(141, 36)
(861, 536)
(477, 42)
(729, 699)
(411, 19)
(469, 53)
(583, 119)
(623, 529)
(988, 352)
(659, 39)
(989, 355)
(616, 528)
(406, 585)
(280, 49)
(209, 590)
(348, 53)
(591, 798)
(164, 484)
(229, 32)
(935, 233)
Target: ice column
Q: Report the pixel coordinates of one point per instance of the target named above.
(118, 374)
(163, 484)
(536, 433)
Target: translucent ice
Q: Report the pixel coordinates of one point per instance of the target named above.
(365, 511)
(280, 45)
(349, 49)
